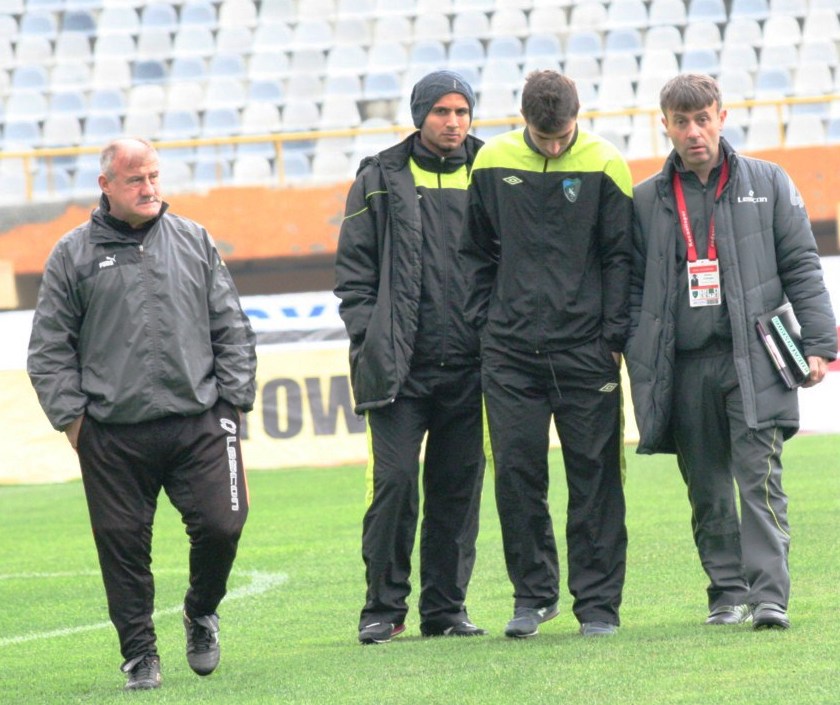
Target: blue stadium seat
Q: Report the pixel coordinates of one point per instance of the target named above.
(159, 14)
(149, 71)
(81, 21)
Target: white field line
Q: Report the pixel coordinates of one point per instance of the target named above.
(260, 582)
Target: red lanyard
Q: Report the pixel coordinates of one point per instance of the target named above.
(685, 223)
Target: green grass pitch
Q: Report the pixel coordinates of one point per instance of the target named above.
(289, 622)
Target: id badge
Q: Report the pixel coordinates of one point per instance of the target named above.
(703, 283)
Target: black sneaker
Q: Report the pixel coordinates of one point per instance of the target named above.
(202, 643)
(598, 629)
(463, 628)
(379, 632)
(526, 620)
(143, 672)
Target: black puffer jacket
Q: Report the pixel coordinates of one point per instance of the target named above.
(767, 254)
(380, 271)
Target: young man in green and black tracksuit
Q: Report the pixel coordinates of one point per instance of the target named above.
(547, 250)
(415, 364)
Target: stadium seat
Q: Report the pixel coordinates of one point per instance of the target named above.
(111, 72)
(234, 40)
(339, 111)
(762, 133)
(623, 41)
(386, 29)
(667, 12)
(710, 10)
(805, 129)
(187, 68)
(496, 102)
(119, 20)
(268, 65)
(700, 61)
(664, 37)
(265, 91)
(101, 129)
(352, 31)
(781, 29)
(330, 166)
(68, 102)
(61, 130)
(198, 13)
(343, 84)
(146, 98)
(387, 56)
(813, 80)
(33, 49)
(781, 56)
(818, 51)
(224, 92)
(582, 67)
(504, 47)
(623, 65)
(311, 34)
(502, 72)
(220, 122)
(39, 23)
(280, 10)
(430, 53)
(26, 105)
(148, 71)
(86, 182)
(300, 115)
(702, 35)
(736, 135)
(588, 15)
(20, 134)
(228, 65)
(121, 47)
(260, 118)
(623, 14)
(833, 131)
(432, 26)
(355, 8)
(508, 22)
(315, 9)
(658, 61)
(382, 85)
(237, 13)
(466, 52)
(175, 173)
(794, 8)
(78, 21)
(743, 30)
(153, 43)
(584, 43)
(194, 41)
(301, 86)
(821, 23)
(548, 19)
(143, 123)
(179, 125)
(107, 101)
(738, 57)
(160, 15)
(754, 9)
(346, 59)
(470, 24)
(184, 96)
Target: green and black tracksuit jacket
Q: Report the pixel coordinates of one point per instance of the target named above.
(547, 244)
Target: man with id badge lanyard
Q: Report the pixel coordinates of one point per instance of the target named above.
(720, 239)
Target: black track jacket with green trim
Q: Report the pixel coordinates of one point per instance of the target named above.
(546, 244)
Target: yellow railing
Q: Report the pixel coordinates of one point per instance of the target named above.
(32, 158)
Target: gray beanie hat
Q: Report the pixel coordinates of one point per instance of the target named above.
(430, 88)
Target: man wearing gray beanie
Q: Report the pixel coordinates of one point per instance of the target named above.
(414, 364)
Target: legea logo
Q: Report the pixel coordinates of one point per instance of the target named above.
(752, 198)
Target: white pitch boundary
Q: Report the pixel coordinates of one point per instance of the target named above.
(261, 582)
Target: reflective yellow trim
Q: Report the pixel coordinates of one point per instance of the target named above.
(767, 479)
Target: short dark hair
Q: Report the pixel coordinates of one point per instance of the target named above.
(689, 91)
(549, 100)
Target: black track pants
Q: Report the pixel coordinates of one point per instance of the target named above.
(446, 405)
(580, 388)
(198, 462)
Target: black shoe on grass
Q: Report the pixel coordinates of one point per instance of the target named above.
(143, 673)
(526, 621)
(379, 632)
(202, 643)
(462, 628)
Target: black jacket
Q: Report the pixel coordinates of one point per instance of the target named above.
(546, 244)
(397, 274)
